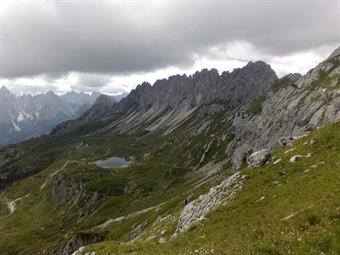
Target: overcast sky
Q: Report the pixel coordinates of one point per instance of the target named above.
(112, 46)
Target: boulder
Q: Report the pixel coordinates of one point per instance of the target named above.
(162, 240)
(312, 141)
(258, 158)
(188, 199)
(295, 158)
(277, 161)
(286, 141)
(137, 231)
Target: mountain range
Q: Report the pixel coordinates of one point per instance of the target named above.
(26, 116)
(241, 162)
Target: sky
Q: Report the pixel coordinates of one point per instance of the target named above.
(112, 46)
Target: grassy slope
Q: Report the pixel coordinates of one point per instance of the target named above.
(40, 224)
(288, 208)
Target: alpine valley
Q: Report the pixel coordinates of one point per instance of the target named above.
(241, 162)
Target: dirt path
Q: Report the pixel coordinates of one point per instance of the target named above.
(131, 215)
(12, 205)
(56, 172)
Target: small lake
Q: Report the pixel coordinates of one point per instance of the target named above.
(112, 162)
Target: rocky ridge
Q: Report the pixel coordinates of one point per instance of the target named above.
(311, 101)
(166, 104)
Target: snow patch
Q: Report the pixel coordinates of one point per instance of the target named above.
(16, 127)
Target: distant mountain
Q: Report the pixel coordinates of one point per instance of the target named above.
(26, 116)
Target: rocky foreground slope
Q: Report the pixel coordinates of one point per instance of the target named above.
(185, 139)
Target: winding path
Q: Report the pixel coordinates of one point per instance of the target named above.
(56, 172)
(12, 205)
(131, 215)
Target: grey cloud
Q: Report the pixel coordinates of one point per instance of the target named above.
(30, 89)
(92, 80)
(125, 37)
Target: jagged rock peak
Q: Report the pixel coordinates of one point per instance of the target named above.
(50, 93)
(255, 66)
(293, 76)
(4, 89)
(104, 100)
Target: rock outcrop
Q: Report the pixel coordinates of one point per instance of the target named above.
(68, 191)
(77, 241)
(290, 111)
(258, 158)
(197, 209)
(138, 230)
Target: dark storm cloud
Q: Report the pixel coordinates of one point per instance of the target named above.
(123, 37)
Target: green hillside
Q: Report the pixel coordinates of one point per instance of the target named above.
(287, 208)
(66, 195)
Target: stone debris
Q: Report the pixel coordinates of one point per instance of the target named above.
(286, 141)
(295, 158)
(313, 141)
(162, 240)
(150, 238)
(290, 150)
(277, 161)
(261, 198)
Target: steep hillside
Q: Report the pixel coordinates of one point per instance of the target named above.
(289, 108)
(283, 208)
(181, 142)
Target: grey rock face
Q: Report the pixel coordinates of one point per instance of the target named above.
(258, 158)
(138, 230)
(170, 101)
(77, 241)
(239, 155)
(290, 111)
(197, 209)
